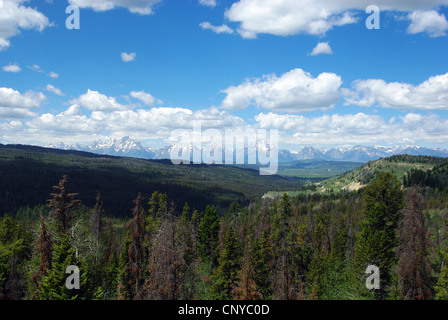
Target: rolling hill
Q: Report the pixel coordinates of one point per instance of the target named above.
(409, 169)
(28, 174)
(400, 165)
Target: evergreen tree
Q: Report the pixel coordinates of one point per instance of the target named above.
(383, 200)
(97, 222)
(441, 288)
(319, 264)
(284, 268)
(44, 246)
(136, 252)
(261, 259)
(125, 283)
(208, 234)
(247, 288)
(186, 215)
(13, 254)
(226, 274)
(53, 285)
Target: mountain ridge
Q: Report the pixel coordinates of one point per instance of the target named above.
(133, 148)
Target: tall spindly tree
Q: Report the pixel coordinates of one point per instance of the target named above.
(61, 205)
(415, 268)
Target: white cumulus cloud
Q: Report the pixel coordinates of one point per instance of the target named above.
(128, 57)
(216, 29)
(321, 48)
(95, 101)
(430, 22)
(353, 129)
(294, 91)
(54, 90)
(14, 104)
(10, 98)
(53, 75)
(208, 3)
(16, 15)
(290, 17)
(146, 98)
(12, 68)
(431, 94)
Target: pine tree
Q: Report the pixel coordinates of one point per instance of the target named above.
(53, 285)
(136, 252)
(44, 246)
(261, 258)
(13, 254)
(226, 274)
(61, 205)
(208, 234)
(166, 261)
(247, 288)
(414, 269)
(125, 283)
(284, 268)
(441, 288)
(96, 221)
(187, 235)
(383, 200)
(186, 216)
(319, 264)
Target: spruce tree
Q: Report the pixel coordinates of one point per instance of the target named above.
(208, 234)
(53, 285)
(247, 288)
(44, 249)
(382, 202)
(136, 252)
(261, 259)
(226, 274)
(13, 254)
(319, 265)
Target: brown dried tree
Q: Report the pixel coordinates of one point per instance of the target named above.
(414, 268)
(44, 248)
(247, 288)
(97, 225)
(61, 205)
(136, 251)
(166, 262)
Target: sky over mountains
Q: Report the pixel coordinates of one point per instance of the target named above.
(311, 69)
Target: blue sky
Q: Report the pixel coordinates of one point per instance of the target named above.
(246, 63)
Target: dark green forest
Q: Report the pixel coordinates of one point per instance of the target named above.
(313, 246)
(208, 245)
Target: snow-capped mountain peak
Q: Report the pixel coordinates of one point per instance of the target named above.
(129, 147)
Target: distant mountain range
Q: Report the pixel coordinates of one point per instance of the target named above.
(127, 147)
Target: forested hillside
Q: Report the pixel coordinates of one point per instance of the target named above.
(311, 246)
(28, 173)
